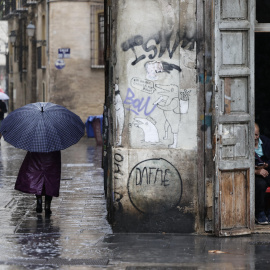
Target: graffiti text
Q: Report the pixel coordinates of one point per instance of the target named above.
(152, 175)
(160, 38)
(138, 104)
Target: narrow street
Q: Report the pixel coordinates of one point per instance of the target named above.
(77, 235)
(78, 220)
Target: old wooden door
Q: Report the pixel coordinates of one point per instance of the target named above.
(234, 117)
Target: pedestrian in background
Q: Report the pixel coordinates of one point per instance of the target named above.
(40, 174)
(3, 110)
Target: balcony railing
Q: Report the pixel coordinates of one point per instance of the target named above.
(10, 8)
(27, 3)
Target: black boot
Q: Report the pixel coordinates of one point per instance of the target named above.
(48, 200)
(39, 204)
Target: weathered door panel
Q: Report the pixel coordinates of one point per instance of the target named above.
(234, 202)
(234, 117)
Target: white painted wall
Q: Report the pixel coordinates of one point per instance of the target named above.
(158, 103)
(3, 40)
(3, 50)
(155, 113)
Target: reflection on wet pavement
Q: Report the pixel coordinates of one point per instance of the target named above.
(77, 235)
(78, 221)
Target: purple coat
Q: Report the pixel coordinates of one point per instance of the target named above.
(40, 174)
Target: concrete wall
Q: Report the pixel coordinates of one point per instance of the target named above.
(154, 176)
(77, 86)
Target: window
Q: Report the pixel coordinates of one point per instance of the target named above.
(44, 94)
(97, 36)
(25, 93)
(43, 49)
(39, 57)
(19, 5)
(101, 39)
(24, 50)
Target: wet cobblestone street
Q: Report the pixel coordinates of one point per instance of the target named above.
(78, 221)
(77, 235)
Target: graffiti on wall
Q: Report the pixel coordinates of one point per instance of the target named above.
(138, 104)
(154, 50)
(154, 186)
(170, 100)
(170, 103)
(154, 97)
(120, 115)
(148, 125)
(154, 67)
(118, 174)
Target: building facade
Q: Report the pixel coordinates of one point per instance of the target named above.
(3, 55)
(62, 61)
(180, 115)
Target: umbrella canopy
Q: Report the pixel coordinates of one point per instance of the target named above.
(3, 96)
(42, 127)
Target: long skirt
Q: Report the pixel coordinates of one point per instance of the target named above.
(40, 174)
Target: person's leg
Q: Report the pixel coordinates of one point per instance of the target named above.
(39, 204)
(267, 210)
(260, 188)
(48, 200)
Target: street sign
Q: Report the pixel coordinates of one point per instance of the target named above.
(60, 64)
(64, 53)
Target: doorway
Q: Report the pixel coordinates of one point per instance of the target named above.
(262, 77)
(262, 81)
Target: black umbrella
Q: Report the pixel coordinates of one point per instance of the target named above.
(42, 127)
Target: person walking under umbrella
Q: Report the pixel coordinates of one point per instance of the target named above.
(43, 129)
(40, 174)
